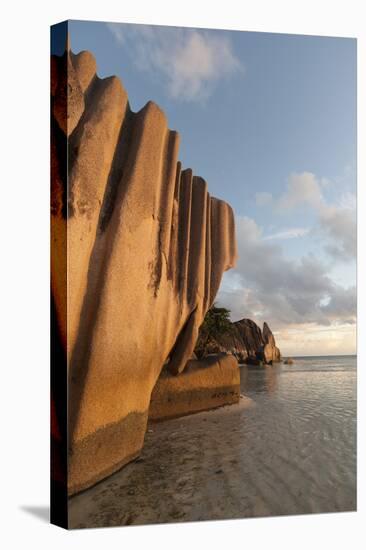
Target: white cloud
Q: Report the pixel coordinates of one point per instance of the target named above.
(325, 182)
(302, 189)
(347, 201)
(291, 233)
(263, 198)
(118, 31)
(271, 287)
(336, 222)
(339, 224)
(308, 310)
(189, 62)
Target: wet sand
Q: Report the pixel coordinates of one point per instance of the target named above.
(184, 473)
(287, 448)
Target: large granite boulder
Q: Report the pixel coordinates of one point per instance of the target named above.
(271, 353)
(247, 343)
(251, 337)
(138, 252)
(211, 382)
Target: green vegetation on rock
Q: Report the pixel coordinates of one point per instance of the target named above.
(215, 324)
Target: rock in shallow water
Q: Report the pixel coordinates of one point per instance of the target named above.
(205, 384)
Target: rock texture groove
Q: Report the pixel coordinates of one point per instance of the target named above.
(139, 248)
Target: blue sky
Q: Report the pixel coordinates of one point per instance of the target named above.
(269, 120)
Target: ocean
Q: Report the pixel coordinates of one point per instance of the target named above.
(302, 434)
(289, 447)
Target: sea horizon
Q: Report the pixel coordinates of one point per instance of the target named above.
(324, 356)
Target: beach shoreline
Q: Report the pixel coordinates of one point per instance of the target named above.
(119, 499)
(288, 447)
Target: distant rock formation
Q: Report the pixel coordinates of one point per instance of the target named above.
(247, 343)
(138, 252)
(271, 353)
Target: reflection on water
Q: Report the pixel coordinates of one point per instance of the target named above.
(304, 424)
(258, 379)
(288, 449)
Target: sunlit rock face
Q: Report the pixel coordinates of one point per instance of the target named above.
(138, 252)
(271, 353)
(206, 384)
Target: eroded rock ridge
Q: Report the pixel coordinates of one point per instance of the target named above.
(139, 248)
